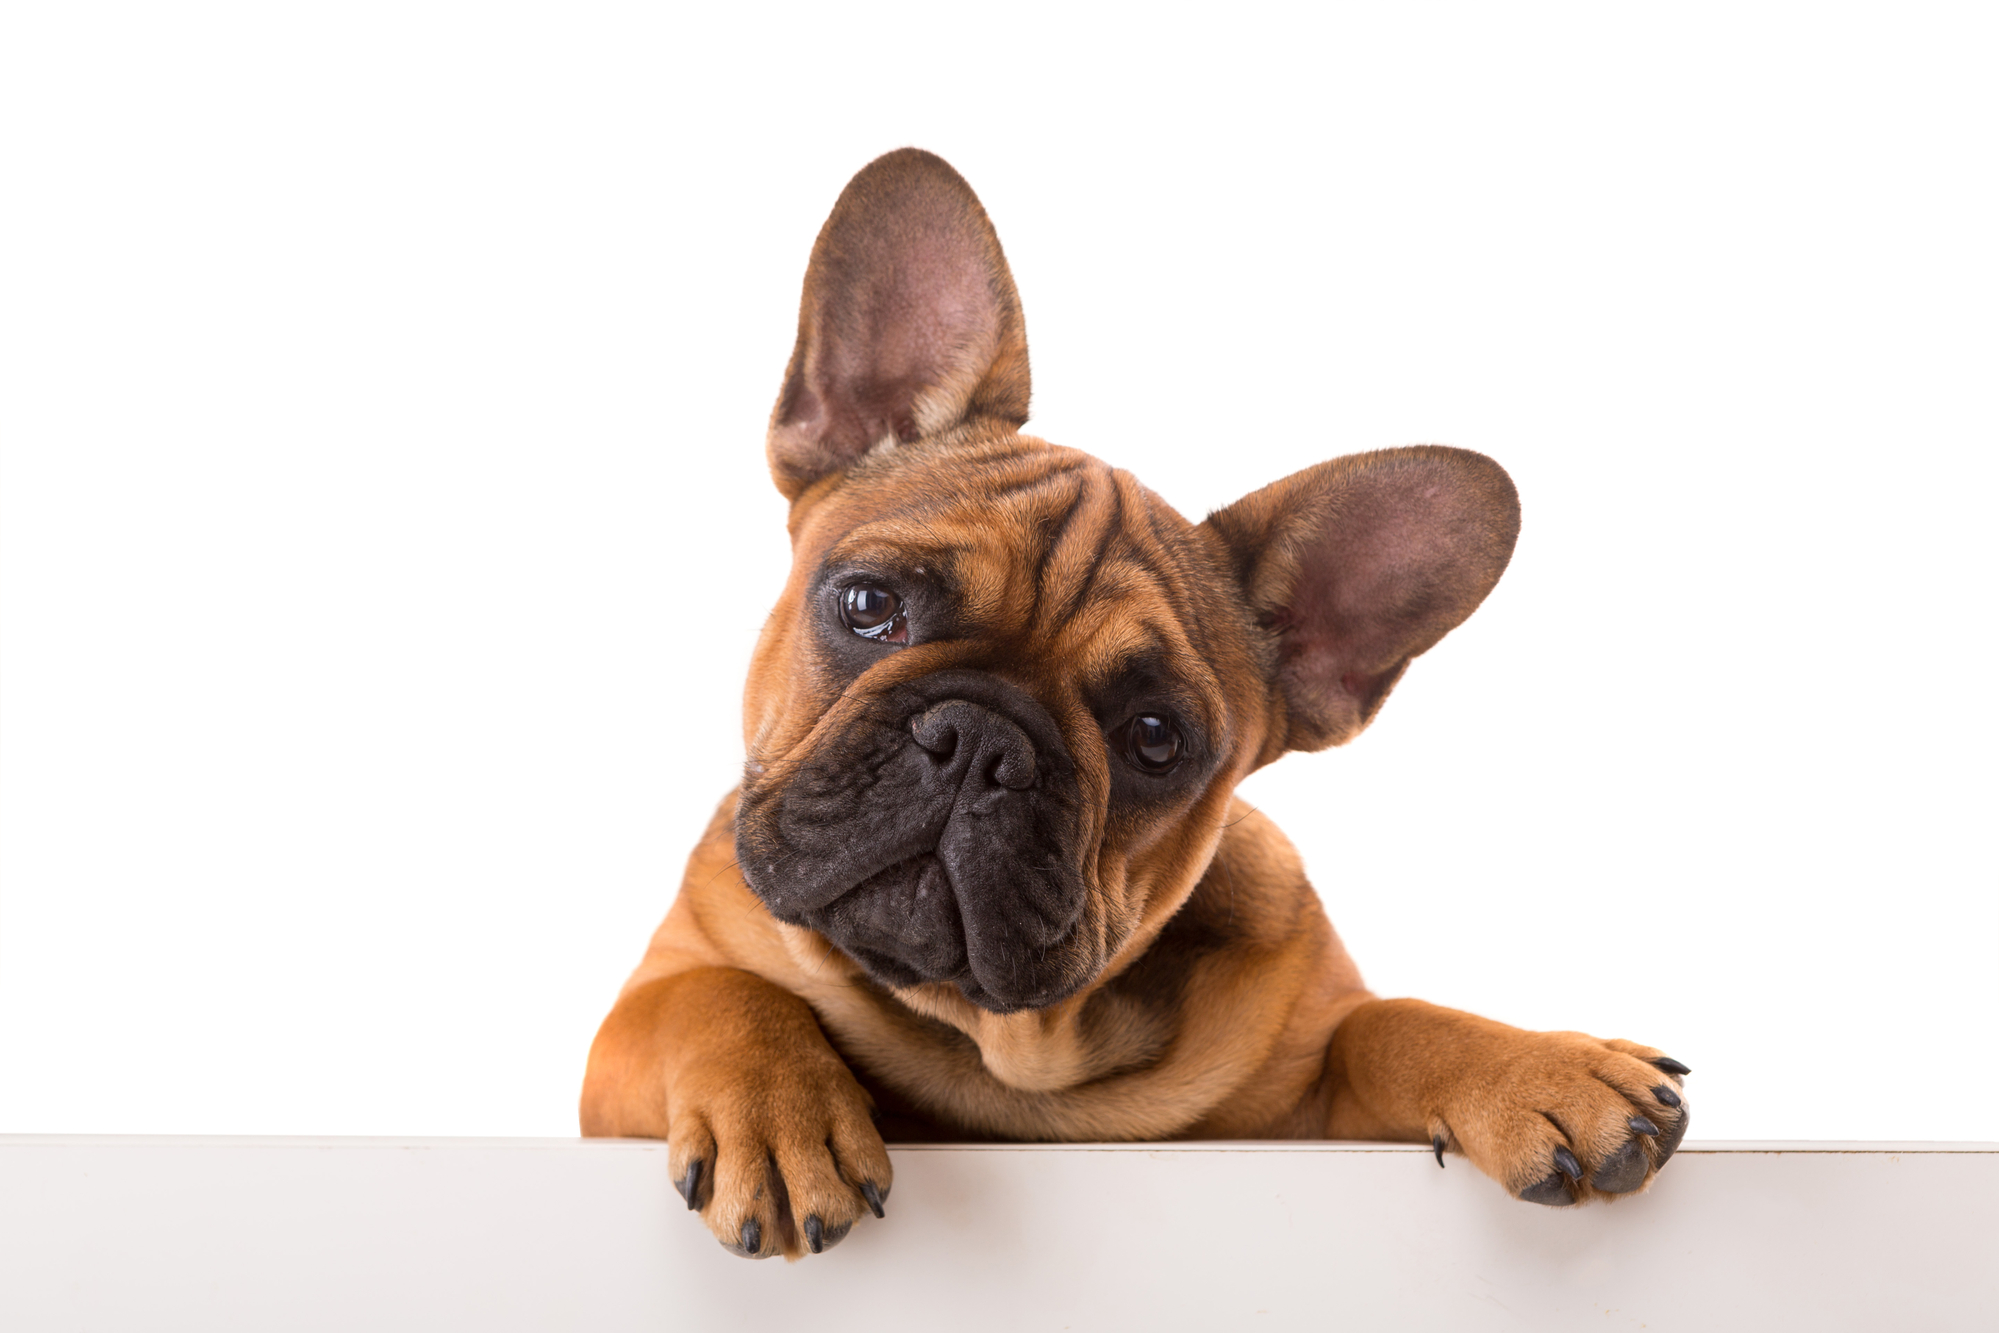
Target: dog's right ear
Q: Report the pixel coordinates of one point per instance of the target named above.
(909, 324)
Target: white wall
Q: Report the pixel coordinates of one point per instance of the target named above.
(383, 524)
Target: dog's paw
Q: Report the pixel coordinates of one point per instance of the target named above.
(1567, 1117)
(777, 1159)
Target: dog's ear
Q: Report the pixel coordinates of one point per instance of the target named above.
(1358, 565)
(909, 324)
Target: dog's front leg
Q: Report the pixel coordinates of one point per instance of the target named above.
(768, 1132)
(1555, 1117)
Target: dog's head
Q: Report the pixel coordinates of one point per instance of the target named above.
(995, 721)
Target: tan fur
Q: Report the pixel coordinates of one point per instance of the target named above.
(1221, 1003)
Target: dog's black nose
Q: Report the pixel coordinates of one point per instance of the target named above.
(990, 746)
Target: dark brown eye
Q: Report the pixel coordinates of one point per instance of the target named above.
(872, 613)
(1152, 742)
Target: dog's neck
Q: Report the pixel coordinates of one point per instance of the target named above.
(1035, 1050)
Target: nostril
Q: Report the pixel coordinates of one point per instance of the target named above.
(1012, 768)
(990, 747)
(936, 734)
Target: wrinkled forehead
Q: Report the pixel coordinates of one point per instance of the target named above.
(1051, 559)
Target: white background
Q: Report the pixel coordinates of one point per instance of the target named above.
(384, 524)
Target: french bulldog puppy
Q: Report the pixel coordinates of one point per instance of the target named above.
(986, 876)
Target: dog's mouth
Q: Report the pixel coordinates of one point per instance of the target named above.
(902, 923)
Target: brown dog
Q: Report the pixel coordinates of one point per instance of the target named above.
(986, 875)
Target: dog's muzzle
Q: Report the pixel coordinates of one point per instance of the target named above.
(936, 838)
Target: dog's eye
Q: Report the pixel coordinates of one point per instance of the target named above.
(874, 613)
(1152, 743)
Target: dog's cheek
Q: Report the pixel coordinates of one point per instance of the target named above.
(795, 823)
(1161, 827)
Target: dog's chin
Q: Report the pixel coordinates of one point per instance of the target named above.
(903, 925)
(997, 1004)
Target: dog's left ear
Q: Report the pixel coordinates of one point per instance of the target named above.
(1361, 564)
(909, 324)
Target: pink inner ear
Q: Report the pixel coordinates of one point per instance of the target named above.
(909, 322)
(1365, 586)
(914, 307)
(1406, 548)
(1359, 686)
(1312, 648)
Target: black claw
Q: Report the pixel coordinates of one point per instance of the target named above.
(1437, 1142)
(1670, 1065)
(1566, 1160)
(1674, 1133)
(1666, 1096)
(752, 1237)
(1640, 1125)
(815, 1233)
(689, 1185)
(872, 1193)
(1624, 1171)
(1553, 1191)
